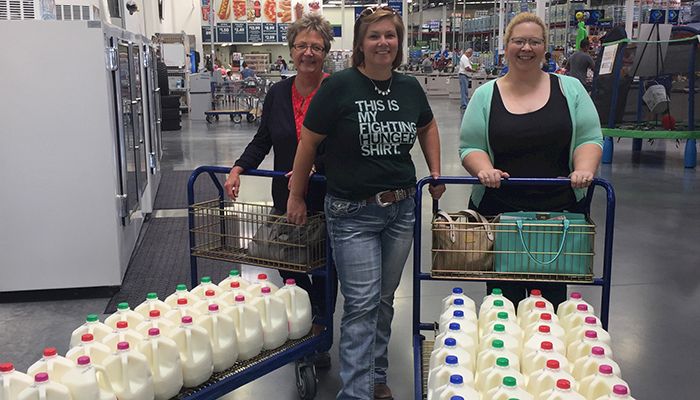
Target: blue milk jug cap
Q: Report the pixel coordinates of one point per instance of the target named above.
(451, 360)
(450, 342)
(456, 398)
(456, 379)
(458, 302)
(458, 313)
(454, 326)
(457, 290)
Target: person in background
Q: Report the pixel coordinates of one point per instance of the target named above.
(580, 62)
(369, 118)
(278, 62)
(247, 72)
(530, 124)
(283, 67)
(441, 63)
(465, 67)
(427, 64)
(549, 64)
(286, 104)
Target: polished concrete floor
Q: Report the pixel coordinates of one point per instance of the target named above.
(654, 320)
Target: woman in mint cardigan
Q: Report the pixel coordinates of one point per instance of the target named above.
(532, 124)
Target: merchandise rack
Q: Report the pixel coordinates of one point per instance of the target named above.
(420, 344)
(299, 351)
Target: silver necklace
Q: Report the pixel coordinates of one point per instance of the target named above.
(382, 92)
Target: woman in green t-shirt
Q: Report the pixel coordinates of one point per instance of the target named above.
(369, 117)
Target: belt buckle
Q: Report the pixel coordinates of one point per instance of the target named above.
(378, 199)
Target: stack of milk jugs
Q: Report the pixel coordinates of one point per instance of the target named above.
(158, 348)
(531, 354)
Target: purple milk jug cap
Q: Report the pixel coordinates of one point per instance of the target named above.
(591, 334)
(240, 298)
(213, 307)
(186, 319)
(41, 377)
(582, 307)
(153, 332)
(123, 346)
(265, 290)
(83, 360)
(605, 369)
(620, 389)
(597, 350)
(291, 282)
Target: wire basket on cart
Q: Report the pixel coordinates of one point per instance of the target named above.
(503, 249)
(254, 234)
(238, 99)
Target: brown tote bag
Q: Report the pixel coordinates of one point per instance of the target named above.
(462, 241)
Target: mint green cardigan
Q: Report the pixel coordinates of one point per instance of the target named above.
(474, 135)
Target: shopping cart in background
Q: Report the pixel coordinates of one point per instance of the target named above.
(252, 234)
(238, 99)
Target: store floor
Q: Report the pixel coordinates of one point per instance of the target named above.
(654, 319)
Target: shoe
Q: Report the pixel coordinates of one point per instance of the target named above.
(322, 360)
(382, 392)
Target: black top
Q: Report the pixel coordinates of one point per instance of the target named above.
(278, 131)
(369, 135)
(531, 145)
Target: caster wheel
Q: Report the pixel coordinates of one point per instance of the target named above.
(306, 381)
(250, 117)
(237, 118)
(208, 118)
(231, 117)
(217, 117)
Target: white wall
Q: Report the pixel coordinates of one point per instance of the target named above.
(178, 16)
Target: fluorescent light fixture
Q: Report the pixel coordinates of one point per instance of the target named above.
(257, 44)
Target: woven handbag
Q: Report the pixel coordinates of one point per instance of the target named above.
(462, 241)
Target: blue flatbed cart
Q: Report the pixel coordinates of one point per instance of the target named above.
(213, 235)
(422, 347)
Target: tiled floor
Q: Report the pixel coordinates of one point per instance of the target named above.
(654, 321)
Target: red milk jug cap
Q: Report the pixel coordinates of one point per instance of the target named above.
(545, 316)
(597, 350)
(563, 384)
(186, 319)
(154, 313)
(122, 325)
(181, 302)
(87, 337)
(590, 320)
(605, 369)
(546, 345)
(50, 352)
(210, 293)
(543, 328)
(7, 367)
(123, 346)
(240, 298)
(291, 281)
(235, 285)
(153, 332)
(591, 334)
(553, 364)
(582, 307)
(83, 360)
(535, 292)
(41, 377)
(539, 304)
(265, 290)
(213, 307)
(575, 295)
(262, 277)
(620, 389)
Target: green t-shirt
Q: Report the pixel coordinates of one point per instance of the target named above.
(369, 136)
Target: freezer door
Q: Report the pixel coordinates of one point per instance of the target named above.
(137, 116)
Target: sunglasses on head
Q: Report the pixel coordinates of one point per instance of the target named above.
(372, 9)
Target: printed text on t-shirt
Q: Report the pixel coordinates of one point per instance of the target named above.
(378, 138)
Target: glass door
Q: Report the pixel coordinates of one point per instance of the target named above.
(127, 138)
(137, 117)
(154, 133)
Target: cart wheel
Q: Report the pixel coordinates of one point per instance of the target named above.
(231, 116)
(306, 381)
(208, 118)
(250, 117)
(237, 118)
(217, 117)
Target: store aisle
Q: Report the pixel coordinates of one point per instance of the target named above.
(655, 283)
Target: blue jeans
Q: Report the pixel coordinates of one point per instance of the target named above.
(464, 89)
(370, 247)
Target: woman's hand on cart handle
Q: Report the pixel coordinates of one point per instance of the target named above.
(491, 178)
(436, 191)
(233, 182)
(581, 179)
(296, 210)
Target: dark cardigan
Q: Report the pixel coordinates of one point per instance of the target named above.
(278, 131)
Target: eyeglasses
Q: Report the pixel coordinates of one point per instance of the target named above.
(533, 42)
(316, 49)
(373, 9)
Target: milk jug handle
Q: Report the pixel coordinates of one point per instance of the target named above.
(102, 380)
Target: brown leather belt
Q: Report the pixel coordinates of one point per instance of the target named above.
(388, 197)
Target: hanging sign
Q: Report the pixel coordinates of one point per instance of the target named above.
(282, 32)
(239, 32)
(223, 32)
(255, 33)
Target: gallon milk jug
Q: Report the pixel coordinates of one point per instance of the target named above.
(496, 294)
(249, 331)
(43, 389)
(490, 314)
(129, 374)
(458, 305)
(600, 384)
(262, 281)
(510, 342)
(550, 320)
(583, 347)
(590, 323)
(195, 352)
(87, 382)
(508, 390)
(546, 378)
(93, 326)
(152, 303)
(222, 336)
(457, 316)
(487, 358)
(492, 377)
(456, 388)
(155, 320)
(576, 318)
(537, 360)
(531, 315)
(450, 348)
(181, 292)
(97, 351)
(528, 303)
(51, 363)
(12, 382)
(569, 306)
(466, 336)
(563, 391)
(440, 375)
(124, 313)
(204, 285)
(458, 293)
(587, 366)
(509, 322)
(164, 361)
(619, 392)
(543, 335)
(273, 316)
(228, 297)
(233, 276)
(122, 333)
(202, 307)
(183, 308)
(298, 306)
